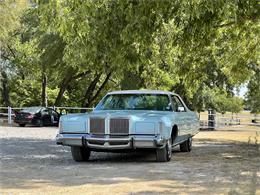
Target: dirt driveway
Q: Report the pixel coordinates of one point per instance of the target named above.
(221, 162)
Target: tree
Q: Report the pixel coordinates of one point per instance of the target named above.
(195, 48)
(235, 105)
(253, 94)
(9, 17)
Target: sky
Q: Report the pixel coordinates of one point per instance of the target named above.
(242, 91)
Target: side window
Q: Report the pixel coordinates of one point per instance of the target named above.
(45, 112)
(177, 105)
(49, 111)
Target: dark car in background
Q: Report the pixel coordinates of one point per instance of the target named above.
(38, 116)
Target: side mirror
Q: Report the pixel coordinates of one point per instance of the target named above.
(181, 109)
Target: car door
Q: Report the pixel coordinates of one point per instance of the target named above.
(191, 119)
(54, 117)
(46, 116)
(181, 116)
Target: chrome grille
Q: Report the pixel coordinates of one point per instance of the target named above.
(97, 125)
(119, 126)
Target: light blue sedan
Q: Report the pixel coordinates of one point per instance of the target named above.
(129, 120)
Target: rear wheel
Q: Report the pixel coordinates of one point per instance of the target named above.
(80, 154)
(22, 125)
(40, 123)
(186, 146)
(164, 154)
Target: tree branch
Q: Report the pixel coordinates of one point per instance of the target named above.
(82, 74)
(116, 84)
(66, 81)
(225, 25)
(89, 91)
(101, 87)
(252, 18)
(12, 52)
(5, 57)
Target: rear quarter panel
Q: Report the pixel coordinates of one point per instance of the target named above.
(187, 123)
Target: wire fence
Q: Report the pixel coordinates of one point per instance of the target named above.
(207, 120)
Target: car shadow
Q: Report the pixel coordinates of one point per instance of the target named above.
(235, 164)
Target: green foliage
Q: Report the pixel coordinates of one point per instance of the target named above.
(228, 104)
(217, 99)
(253, 94)
(25, 92)
(235, 105)
(9, 22)
(10, 12)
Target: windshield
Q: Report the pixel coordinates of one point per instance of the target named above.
(158, 102)
(31, 109)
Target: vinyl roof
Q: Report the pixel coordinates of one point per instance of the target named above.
(141, 92)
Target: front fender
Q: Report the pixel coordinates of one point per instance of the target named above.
(165, 127)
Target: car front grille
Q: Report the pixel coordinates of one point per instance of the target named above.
(97, 125)
(119, 126)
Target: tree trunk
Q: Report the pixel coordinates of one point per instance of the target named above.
(5, 89)
(65, 83)
(101, 87)
(44, 93)
(89, 95)
(89, 92)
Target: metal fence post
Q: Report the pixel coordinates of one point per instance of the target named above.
(9, 115)
(211, 119)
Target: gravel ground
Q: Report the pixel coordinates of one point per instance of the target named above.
(226, 161)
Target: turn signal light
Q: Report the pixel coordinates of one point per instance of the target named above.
(30, 116)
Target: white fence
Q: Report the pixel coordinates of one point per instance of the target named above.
(207, 121)
(212, 121)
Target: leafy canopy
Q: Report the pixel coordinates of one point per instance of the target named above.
(199, 49)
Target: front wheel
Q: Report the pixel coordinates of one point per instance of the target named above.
(186, 146)
(164, 154)
(80, 154)
(22, 125)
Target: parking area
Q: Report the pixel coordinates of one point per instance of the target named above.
(221, 162)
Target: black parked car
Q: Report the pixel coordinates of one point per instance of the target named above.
(38, 116)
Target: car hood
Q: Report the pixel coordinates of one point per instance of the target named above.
(129, 113)
(133, 115)
(141, 122)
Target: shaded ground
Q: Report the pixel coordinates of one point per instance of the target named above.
(226, 161)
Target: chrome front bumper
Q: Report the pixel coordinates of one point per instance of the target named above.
(108, 142)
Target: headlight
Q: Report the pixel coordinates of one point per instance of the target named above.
(145, 128)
